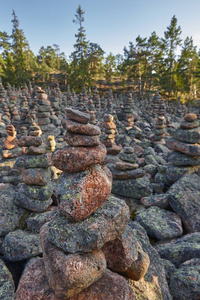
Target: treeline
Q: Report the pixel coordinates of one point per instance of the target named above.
(151, 63)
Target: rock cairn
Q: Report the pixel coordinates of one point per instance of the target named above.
(128, 179)
(128, 111)
(35, 192)
(186, 144)
(158, 105)
(159, 132)
(109, 130)
(86, 220)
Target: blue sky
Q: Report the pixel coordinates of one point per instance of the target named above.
(110, 23)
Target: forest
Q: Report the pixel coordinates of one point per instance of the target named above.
(149, 63)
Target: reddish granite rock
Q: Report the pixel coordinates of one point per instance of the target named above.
(125, 255)
(77, 115)
(75, 140)
(189, 125)
(69, 274)
(109, 125)
(75, 159)
(35, 150)
(80, 194)
(86, 129)
(30, 141)
(114, 149)
(111, 286)
(190, 117)
(123, 166)
(128, 174)
(34, 284)
(36, 176)
(190, 149)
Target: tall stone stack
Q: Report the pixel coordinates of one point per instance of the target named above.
(96, 100)
(92, 112)
(186, 146)
(159, 132)
(158, 105)
(128, 112)
(109, 130)
(87, 218)
(35, 192)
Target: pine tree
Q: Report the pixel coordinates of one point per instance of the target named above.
(171, 42)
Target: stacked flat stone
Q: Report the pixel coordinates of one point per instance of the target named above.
(109, 130)
(35, 192)
(186, 143)
(128, 112)
(91, 108)
(128, 179)
(86, 220)
(96, 99)
(159, 132)
(26, 120)
(55, 101)
(44, 110)
(158, 105)
(10, 152)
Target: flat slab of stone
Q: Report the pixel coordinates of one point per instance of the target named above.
(181, 249)
(76, 140)
(69, 274)
(33, 161)
(36, 176)
(136, 188)
(41, 193)
(7, 286)
(190, 149)
(77, 115)
(19, 245)
(75, 159)
(160, 223)
(107, 223)
(184, 198)
(28, 141)
(80, 194)
(75, 127)
(160, 200)
(129, 174)
(36, 220)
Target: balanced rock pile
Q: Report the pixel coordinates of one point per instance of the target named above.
(35, 192)
(77, 243)
(159, 132)
(129, 180)
(185, 157)
(109, 129)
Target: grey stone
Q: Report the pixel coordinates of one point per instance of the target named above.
(160, 223)
(105, 224)
(19, 245)
(7, 286)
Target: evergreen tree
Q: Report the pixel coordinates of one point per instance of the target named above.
(79, 71)
(171, 41)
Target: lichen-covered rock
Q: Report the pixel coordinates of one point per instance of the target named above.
(169, 269)
(136, 188)
(36, 176)
(174, 173)
(78, 116)
(7, 286)
(107, 223)
(76, 140)
(28, 141)
(33, 161)
(160, 200)
(36, 220)
(153, 285)
(185, 282)
(19, 245)
(75, 159)
(34, 284)
(188, 136)
(41, 193)
(10, 213)
(69, 274)
(110, 286)
(160, 223)
(181, 159)
(80, 194)
(190, 149)
(125, 256)
(184, 199)
(181, 249)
